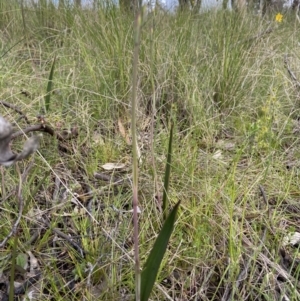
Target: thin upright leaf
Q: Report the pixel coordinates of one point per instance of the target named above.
(49, 87)
(156, 255)
(167, 175)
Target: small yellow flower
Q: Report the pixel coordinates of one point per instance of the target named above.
(279, 18)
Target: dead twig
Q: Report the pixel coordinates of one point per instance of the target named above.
(111, 179)
(259, 35)
(292, 75)
(274, 266)
(47, 129)
(13, 107)
(7, 157)
(66, 237)
(262, 191)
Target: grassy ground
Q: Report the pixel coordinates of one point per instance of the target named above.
(222, 79)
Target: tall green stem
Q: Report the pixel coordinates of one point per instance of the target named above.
(137, 33)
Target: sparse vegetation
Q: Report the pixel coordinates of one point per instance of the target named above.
(227, 81)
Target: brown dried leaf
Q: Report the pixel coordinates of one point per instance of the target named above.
(111, 166)
(123, 132)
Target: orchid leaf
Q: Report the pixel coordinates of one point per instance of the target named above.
(156, 255)
(49, 87)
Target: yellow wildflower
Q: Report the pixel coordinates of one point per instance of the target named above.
(279, 18)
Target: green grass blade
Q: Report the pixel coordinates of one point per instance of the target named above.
(156, 255)
(49, 87)
(167, 175)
